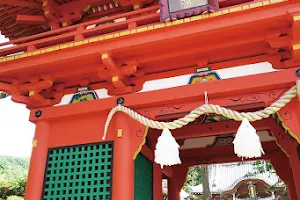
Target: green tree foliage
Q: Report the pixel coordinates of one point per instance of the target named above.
(13, 176)
(14, 198)
(12, 168)
(13, 188)
(193, 178)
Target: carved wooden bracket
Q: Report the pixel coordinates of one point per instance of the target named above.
(120, 75)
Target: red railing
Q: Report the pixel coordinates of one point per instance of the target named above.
(79, 32)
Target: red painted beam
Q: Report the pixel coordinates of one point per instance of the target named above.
(25, 4)
(211, 155)
(30, 19)
(222, 88)
(216, 128)
(268, 18)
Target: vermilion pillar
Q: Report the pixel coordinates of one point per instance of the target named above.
(295, 164)
(38, 161)
(290, 117)
(123, 166)
(173, 188)
(283, 169)
(157, 182)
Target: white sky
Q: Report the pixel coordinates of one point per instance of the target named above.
(16, 132)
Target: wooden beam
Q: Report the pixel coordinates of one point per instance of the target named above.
(167, 171)
(225, 154)
(216, 128)
(187, 93)
(31, 19)
(25, 4)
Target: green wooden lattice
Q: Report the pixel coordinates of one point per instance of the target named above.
(143, 179)
(79, 173)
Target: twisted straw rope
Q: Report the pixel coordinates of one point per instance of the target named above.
(206, 109)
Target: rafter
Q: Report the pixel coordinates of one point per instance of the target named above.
(25, 4)
(31, 19)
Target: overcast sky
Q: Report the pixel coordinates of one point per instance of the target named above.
(16, 132)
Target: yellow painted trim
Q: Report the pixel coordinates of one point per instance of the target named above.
(178, 22)
(120, 133)
(226, 11)
(31, 93)
(104, 56)
(139, 30)
(168, 24)
(50, 49)
(10, 58)
(36, 53)
(65, 24)
(246, 7)
(115, 79)
(187, 20)
(34, 143)
(288, 128)
(78, 43)
(205, 16)
(93, 40)
(86, 9)
(23, 55)
(255, 5)
(64, 46)
(157, 26)
(296, 46)
(136, 6)
(151, 27)
(133, 31)
(45, 3)
(235, 9)
(142, 143)
(296, 18)
(276, 1)
(46, 12)
(107, 37)
(123, 33)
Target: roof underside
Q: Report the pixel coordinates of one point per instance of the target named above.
(8, 13)
(22, 18)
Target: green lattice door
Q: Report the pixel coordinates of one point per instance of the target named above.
(79, 172)
(143, 178)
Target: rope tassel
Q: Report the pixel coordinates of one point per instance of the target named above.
(247, 143)
(167, 150)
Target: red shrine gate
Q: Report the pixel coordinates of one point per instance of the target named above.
(119, 54)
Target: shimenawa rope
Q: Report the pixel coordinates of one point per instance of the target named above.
(205, 109)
